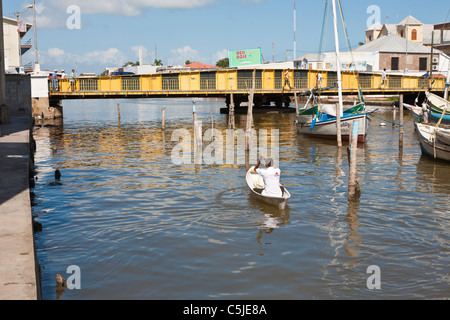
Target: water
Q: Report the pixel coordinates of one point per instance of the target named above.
(140, 227)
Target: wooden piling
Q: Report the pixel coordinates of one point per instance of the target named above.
(400, 106)
(231, 121)
(353, 183)
(163, 122)
(118, 113)
(197, 137)
(338, 125)
(212, 121)
(394, 115)
(248, 132)
(296, 102)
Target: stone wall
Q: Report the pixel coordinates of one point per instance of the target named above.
(18, 94)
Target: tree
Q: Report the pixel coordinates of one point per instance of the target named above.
(223, 63)
(187, 62)
(131, 64)
(158, 62)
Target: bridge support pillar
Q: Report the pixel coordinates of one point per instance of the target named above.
(45, 109)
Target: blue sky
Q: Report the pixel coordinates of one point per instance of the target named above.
(112, 31)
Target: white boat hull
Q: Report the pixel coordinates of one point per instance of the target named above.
(328, 129)
(431, 147)
(255, 181)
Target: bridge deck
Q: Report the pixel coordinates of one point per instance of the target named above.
(220, 83)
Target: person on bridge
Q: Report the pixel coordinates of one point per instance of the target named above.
(287, 80)
(383, 77)
(55, 80)
(72, 80)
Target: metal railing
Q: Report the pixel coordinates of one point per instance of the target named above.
(269, 80)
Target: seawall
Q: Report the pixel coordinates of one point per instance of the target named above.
(19, 268)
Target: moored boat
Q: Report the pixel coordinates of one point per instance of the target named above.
(325, 126)
(430, 144)
(438, 104)
(256, 185)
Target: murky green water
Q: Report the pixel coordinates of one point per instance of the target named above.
(140, 227)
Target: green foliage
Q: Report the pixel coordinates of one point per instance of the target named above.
(223, 63)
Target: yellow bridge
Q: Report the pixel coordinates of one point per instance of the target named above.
(270, 85)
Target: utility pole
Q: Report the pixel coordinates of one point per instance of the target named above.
(4, 111)
(295, 31)
(37, 68)
(2, 67)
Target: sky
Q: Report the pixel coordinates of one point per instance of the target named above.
(90, 35)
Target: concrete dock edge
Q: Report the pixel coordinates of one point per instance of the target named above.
(19, 268)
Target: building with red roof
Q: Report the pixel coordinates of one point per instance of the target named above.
(199, 65)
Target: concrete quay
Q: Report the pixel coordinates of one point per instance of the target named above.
(19, 269)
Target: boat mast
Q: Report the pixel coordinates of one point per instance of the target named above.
(338, 64)
(447, 82)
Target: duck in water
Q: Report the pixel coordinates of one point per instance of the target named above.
(57, 178)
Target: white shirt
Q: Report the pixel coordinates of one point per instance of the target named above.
(271, 177)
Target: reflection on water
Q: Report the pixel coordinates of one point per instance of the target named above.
(141, 227)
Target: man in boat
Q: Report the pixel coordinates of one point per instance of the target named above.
(271, 178)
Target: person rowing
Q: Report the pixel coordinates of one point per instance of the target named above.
(271, 177)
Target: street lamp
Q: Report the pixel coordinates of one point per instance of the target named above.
(19, 37)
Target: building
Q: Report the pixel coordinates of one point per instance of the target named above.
(413, 29)
(397, 54)
(403, 47)
(200, 66)
(13, 55)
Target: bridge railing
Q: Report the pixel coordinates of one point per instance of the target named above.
(225, 80)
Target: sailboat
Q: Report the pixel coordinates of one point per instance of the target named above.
(322, 121)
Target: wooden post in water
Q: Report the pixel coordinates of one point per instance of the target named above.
(212, 121)
(231, 121)
(338, 125)
(296, 101)
(400, 106)
(394, 115)
(118, 113)
(197, 137)
(248, 133)
(163, 124)
(353, 183)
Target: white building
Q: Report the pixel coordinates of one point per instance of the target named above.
(13, 55)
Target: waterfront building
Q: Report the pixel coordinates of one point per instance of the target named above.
(11, 36)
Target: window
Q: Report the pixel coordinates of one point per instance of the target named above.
(414, 35)
(394, 63)
(423, 62)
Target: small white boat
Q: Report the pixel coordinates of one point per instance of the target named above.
(256, 185)
(417, 112)
(326, 125)
(430, 144)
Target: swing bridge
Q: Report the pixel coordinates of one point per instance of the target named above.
(269, 85)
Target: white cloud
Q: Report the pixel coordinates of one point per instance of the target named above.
(147, 56)
(93, 61)
(52, 14)
(180, 55)
(221, 54)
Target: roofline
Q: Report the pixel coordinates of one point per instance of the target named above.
(15, 21)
